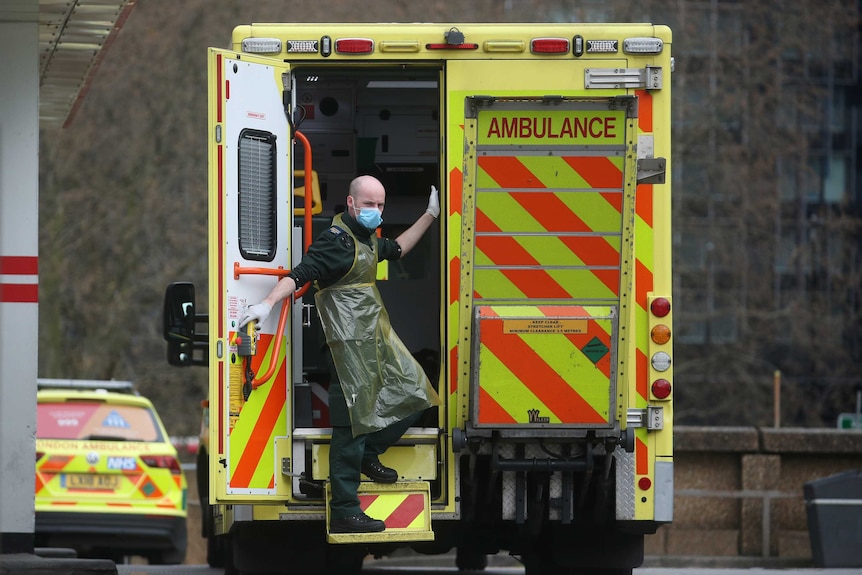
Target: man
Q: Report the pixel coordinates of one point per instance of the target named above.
(378, 389)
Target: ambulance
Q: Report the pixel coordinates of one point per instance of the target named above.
(539, 303)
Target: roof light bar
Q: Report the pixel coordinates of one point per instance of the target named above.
(261, 45)
(643, 45)
(549, 45)
(354, 46)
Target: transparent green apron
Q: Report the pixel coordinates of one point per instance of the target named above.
(381, 381)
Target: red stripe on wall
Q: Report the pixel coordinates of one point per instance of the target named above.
(19, 293)
(19, 265)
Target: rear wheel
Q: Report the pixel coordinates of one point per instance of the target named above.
(470, 560)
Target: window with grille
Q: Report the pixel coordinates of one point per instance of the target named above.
(257, 195)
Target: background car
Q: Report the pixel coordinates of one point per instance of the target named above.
(108, 480)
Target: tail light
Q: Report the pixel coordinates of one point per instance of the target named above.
(661, 388)
(660, 348)
(354, 46)
(660, 334)
(660, 307)
(549, 45)
(162, 462)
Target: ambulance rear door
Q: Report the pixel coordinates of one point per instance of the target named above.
(251, 247)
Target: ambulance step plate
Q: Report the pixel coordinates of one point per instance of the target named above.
(405, 507)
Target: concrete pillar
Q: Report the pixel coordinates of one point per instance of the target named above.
(19, 244)
(760, 472)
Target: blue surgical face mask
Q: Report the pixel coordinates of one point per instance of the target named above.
(370, 218)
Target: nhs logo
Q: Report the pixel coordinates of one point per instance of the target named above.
(122, 463)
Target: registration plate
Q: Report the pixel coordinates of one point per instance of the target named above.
(80, 481)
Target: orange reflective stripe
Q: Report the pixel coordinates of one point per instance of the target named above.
(454, 279)
(533, 283)
(641, 457)
(261, 435)
(644, 283)
(643, 203)
(598, 171)
(644, 110)
(490, 411)
(509, 172)
(554, 215)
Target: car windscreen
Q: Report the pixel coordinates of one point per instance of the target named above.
(96, 421)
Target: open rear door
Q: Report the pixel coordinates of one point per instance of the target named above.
(251, 218)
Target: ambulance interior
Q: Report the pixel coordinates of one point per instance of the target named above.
(384, 122)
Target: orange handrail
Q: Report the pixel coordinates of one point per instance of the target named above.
(282, 319)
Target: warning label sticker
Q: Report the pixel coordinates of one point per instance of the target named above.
(544, 325)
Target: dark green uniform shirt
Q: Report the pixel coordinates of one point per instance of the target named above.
(331, 254)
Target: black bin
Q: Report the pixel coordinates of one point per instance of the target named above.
(834, 508)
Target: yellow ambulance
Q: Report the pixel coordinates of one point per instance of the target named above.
(539, 303)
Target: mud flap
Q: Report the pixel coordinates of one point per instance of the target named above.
(404, 506)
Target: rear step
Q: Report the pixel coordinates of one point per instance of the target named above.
(404, 506)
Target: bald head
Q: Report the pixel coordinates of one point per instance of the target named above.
(366, 192)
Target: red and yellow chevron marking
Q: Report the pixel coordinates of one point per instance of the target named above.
(553, 369)
(396, 510)
(548, 227)
(263, 417)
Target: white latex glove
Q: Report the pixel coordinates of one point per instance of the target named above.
(433, 203)
(258, 312)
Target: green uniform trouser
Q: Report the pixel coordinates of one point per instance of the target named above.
(346, 452)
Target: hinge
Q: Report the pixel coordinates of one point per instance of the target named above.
(652, 417)
(651, 170)
(647, 78)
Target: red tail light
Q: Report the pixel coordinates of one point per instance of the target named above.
(661, 388)
(163, 462)
(549, 45)
(660, 307)
(354, 46)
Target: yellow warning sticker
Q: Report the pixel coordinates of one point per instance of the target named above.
(544, 325)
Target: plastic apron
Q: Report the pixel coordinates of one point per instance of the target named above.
(381, 381)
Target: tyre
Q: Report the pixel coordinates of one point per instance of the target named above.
(470, 560)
